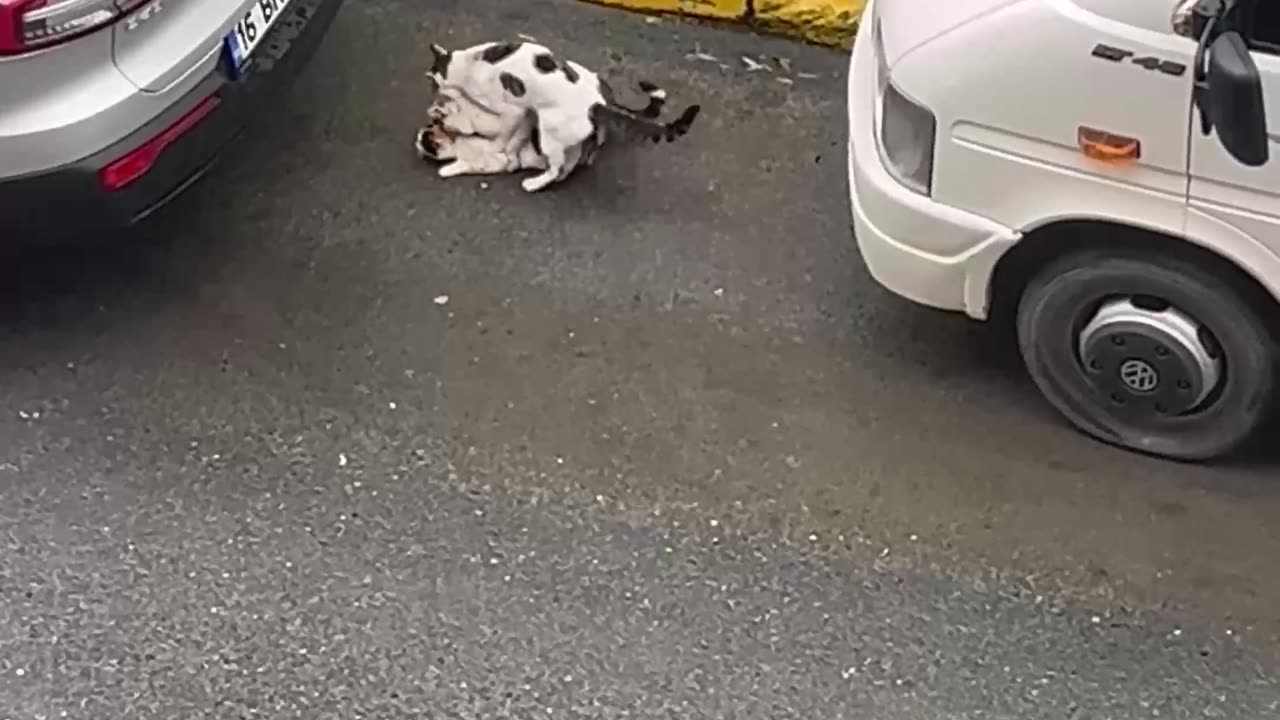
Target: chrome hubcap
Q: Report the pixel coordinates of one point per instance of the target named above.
(1149, 361)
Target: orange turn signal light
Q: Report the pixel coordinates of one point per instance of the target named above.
(1108, 147)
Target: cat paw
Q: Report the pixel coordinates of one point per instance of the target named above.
(534, 184)
(453, 169)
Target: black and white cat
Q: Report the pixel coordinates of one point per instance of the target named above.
(519, 93)
(472, 154)
(477, 154)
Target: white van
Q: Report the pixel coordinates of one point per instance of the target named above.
(1106, 170)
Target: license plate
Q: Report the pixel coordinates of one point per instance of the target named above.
(252, 28)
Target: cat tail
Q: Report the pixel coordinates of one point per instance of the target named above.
(653, 110)
(635, 127)
(657, 100)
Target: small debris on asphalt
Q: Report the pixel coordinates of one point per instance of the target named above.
(342, 459)
(698, 54)
(754, 66)
(442, 300)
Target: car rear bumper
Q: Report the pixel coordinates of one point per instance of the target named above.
(71, 201)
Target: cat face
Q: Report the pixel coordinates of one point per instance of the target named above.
(434, 141)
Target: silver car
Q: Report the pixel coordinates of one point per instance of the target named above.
(109, 108)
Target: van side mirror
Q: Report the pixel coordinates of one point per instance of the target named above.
(1229, 93)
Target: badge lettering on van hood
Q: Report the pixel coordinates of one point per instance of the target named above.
(1119, 55)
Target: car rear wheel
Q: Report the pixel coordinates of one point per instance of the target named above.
(1150, 353)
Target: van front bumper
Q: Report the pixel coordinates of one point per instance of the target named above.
(925, 251)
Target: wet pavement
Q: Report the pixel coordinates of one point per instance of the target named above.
(335, 438)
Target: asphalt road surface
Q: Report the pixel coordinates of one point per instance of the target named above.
(665, 451)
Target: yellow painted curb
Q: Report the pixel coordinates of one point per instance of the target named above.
(715, 9)
(826, 22)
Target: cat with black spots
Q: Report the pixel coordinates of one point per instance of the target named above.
(514, 95)
(481, 155)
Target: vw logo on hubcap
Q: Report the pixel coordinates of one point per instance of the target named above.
(1139, 376)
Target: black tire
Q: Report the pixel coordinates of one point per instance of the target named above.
(1058, 302)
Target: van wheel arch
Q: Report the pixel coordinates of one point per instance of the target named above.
(1046, 244)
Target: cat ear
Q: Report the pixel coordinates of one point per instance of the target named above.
(440, 62)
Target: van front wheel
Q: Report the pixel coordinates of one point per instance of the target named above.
(1150, 353)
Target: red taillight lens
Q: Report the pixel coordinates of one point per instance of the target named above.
(134, 165)
(27, 25)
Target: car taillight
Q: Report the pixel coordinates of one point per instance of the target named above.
(139, 161)
(27, 25)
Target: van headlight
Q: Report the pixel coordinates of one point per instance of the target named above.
(907, 130)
